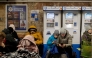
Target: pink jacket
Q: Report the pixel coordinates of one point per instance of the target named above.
(28, 43)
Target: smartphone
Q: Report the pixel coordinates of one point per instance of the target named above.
(61, 43)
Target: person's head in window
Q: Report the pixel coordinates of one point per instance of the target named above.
(56, 33)
(63, 32)
(88, 29)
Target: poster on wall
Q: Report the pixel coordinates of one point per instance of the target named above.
(34, 15)
(17, 14)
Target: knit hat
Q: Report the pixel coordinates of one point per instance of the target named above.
(87, 27)
(63, 31)
(12, 25)
(56, 32)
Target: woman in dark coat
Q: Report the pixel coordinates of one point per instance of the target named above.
(14, 33)
(11, 43)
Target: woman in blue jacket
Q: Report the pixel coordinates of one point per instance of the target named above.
(51, 41)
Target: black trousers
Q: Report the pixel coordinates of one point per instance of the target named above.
(65, 50)
(40, 47)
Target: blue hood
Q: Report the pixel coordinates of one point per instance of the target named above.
(49, 42)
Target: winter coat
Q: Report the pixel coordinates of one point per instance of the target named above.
(37, 36)
(4, 49)
(29, 43)
(67, 40)
(10, 42)
(15, 35)
(49, 42)
(86, 45)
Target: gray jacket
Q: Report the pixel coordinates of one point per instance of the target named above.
(65, 40)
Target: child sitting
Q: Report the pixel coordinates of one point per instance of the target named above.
(51, 42)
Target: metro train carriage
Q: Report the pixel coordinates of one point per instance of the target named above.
(72, 18)
(75, 19)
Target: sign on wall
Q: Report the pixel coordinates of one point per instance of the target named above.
(34, 15)
(17, 15)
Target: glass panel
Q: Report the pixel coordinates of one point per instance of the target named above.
(87, 24)
(88, 15)
(50, 15)
(69, 25)
(69, 15)
(50, 24)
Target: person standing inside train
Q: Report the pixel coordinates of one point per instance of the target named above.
(64, 43)
(86, 43)
(37, 37)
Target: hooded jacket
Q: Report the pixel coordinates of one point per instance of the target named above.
(49, 42)
(14, 33)
(86, 45)
(37, 36)
(9, 37)
(9, 40)
(29, 43)
(67, 40)
(51, 39)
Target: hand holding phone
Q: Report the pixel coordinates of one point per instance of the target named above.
(53, 42)
(59, 45)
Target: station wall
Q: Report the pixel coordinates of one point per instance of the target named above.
(36, 6)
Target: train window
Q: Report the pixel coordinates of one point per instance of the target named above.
(88, 16)
(69, 25)
(69, 15)
(50, 15)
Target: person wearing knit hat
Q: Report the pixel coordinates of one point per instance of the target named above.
(56, 33)
(88, 28)
(64, 43)
(63, 32)
(10, 41)
(86, 42)
(12, 25)
(14, 33)
(51, 41)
